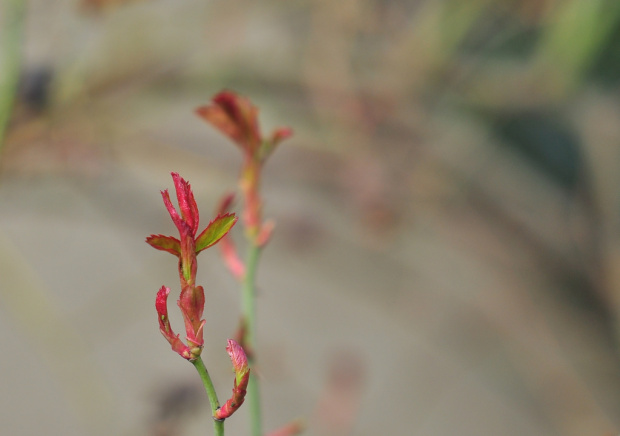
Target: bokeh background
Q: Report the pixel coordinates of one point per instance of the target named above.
(447, 252)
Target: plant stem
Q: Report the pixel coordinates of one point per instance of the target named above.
(249, 315)
(218, 426)
(11, 32)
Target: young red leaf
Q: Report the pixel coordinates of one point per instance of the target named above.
(270, 145)
(225, 203)
(229, 252)
(235, 117)
(238, 359)
(235, 401)
(264, 233)
(187, 203)
(192, 303)
(161, 305)
(280, 135)
(231, 258)
(216, 230)
(242, 376)
(165, 243)
(180, 224)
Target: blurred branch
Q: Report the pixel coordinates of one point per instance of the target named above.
(11, 33)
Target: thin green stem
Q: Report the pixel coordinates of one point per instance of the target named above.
(11, 34)
(218, 426)
(249, 315)
(249, 294)
(253, 397)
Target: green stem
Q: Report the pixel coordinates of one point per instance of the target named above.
(249, 295)
(254, 406)
(11, 33)
(218, 426)
(249, 315)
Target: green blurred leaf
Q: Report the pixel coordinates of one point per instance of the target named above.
(216, 230)
(574, 39)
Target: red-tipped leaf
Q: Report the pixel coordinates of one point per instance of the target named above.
(242, 376)
(161, 305)
(187, 203)
(235, 401)
(238, 359)
(280, 135)
(192, 303)
(216, 230)
(270, 145)
(176, 218)
(165, 243)
(229, 252)
(235, 117)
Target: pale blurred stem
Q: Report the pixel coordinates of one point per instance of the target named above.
(249, 315)
(218, 426)
(11, 33)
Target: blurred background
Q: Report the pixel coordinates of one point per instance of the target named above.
(447, 252)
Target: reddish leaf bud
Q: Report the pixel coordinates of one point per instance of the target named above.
(238, 359)
(186, 223)
(235, 117)
(161, 305)
(176, 218)
(280, 135)
(242, 377)
(235, 401)
(270, 145)
(187, 203)
(165, 243)
(264, 233)
(192, 302)
(229, 252)
(192, 299)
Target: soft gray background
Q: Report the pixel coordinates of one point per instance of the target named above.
(424, 278)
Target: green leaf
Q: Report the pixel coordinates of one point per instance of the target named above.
(216, 230)
(165, 243)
